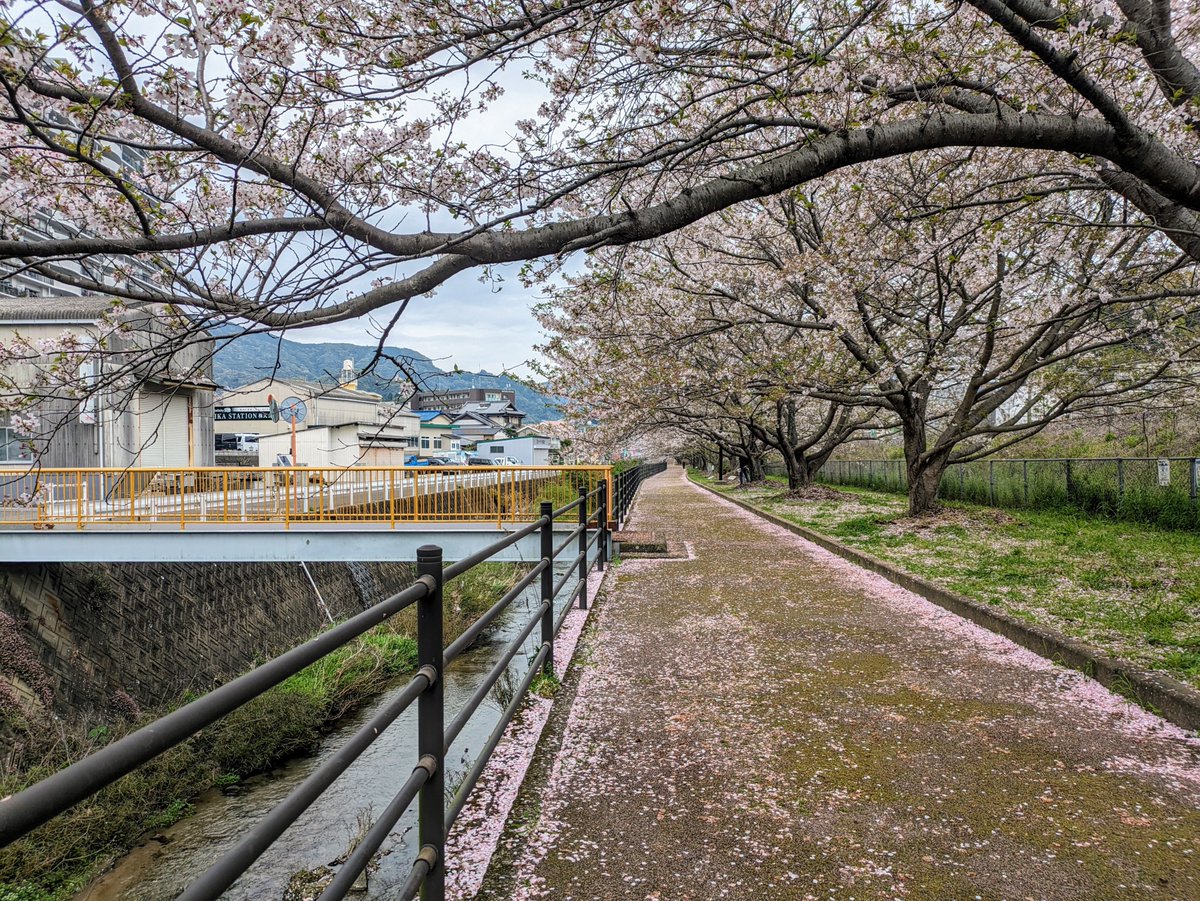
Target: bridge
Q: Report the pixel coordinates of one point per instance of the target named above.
(294, 514)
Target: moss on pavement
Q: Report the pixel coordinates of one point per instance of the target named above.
(763, 720)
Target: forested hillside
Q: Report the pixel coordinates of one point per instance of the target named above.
(249, 357)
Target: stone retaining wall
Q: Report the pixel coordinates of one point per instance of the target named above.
(92, 634)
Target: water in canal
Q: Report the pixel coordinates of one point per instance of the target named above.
(161, 870)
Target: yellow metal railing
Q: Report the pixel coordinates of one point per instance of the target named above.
(45, 498)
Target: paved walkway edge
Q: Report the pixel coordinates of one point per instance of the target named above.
(474, 839)
(1167, 697)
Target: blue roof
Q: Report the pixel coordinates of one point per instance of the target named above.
(429, 415)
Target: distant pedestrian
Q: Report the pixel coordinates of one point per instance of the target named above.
(743, 475)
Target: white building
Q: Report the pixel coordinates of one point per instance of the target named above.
(129, 404)
(247, 408)
(346, 445)
(533, 450)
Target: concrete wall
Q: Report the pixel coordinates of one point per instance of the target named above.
(154, 631)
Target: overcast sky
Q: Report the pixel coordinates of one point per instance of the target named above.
(476, 325)
(473, 324)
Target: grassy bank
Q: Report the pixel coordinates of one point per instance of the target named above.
(1124, 489)
(1132, 590)
(57, 860)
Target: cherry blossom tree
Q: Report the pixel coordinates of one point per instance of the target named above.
(266, 161)
(988, 306)
(643, 357)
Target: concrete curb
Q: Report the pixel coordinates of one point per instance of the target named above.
(1169, 698)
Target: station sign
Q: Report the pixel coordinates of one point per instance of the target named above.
(241, 414)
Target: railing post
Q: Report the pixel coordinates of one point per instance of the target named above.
(431, 725)
(583, 539)
(602, 526)
(547, 533)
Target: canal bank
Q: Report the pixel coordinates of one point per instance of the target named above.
(163, 866)
(92, 635)
(767, 720)
(285, 721)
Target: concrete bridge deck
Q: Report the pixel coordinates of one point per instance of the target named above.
(764, 720)
(278, 515)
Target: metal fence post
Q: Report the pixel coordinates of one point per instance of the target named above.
(1192, 489)
(547, 534)
(1025, 479)
(992, 482)
(1121, 480)
(583, 542)
(602, 526)
(431, 725)
(1069, 491)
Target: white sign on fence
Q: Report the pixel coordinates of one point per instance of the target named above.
(1164, 473)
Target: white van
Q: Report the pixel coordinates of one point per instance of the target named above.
(246, 443)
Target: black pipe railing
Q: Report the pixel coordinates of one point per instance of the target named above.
(39, 803)
(625, 486)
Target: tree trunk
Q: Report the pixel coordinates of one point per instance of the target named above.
(924, 471)
(798, 473)
(752, 466)
(923, 484)
(755, 464)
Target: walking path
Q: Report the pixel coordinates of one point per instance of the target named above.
(764, 720)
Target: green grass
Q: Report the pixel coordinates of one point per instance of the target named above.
(56, 861)
(1092, 487)
(1130, 589)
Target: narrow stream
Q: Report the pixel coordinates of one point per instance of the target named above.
(160, 870)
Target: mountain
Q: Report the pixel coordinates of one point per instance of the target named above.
(245, 358)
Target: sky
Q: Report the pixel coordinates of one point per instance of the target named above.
(470, 323)
(474, 324)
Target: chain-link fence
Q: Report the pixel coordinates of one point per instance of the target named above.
(1157, 490)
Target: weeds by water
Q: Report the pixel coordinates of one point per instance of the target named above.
(57, 860)
(545, 685)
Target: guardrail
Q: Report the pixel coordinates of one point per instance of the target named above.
(39, 803)
(79, 498)
(1163, 490)
(626, 484)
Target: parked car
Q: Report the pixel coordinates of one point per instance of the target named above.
(444, 461)
(480, 461)
(246, 444)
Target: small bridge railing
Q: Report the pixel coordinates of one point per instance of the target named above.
(42, 801)
(79, 498)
